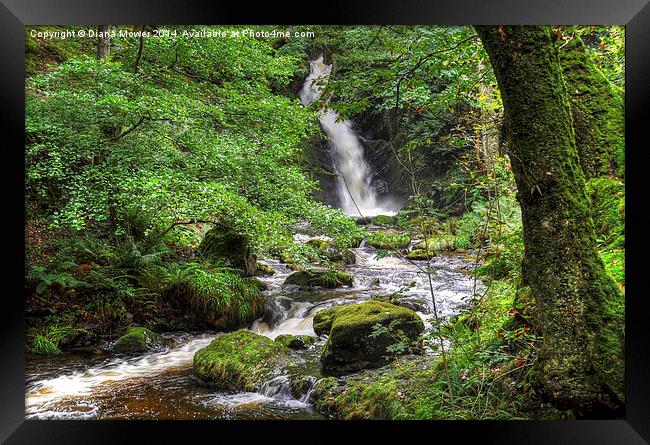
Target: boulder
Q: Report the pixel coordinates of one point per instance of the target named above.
(388, 240)
(384, 220)
(325, 278)
(351, 345)
(330, 251)
(264, 269)
(240, 360)
(296, 342)
(138, 339)
(226, 245)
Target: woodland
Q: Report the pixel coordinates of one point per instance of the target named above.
(324, 222)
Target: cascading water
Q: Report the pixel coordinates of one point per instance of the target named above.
(354, 188)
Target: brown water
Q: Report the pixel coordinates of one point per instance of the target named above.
(160, 385)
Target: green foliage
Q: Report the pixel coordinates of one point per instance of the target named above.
(48, 280)
(207, 288)
(46, 341)
(191, 142)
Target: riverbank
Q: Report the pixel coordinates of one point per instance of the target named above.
(107, 386)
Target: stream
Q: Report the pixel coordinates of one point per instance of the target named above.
(160, 385)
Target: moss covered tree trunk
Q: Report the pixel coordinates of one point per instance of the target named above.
(597, 110)
(580, 364)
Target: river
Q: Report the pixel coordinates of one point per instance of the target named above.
(160, 385)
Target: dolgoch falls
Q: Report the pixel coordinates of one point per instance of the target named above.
(357, 197)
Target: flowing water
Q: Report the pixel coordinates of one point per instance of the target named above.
(160, 385)
(354, 183)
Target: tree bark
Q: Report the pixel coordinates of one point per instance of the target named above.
(580, 362)
(103, 41)
(597, 110)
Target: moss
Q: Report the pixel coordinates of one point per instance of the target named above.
(607, 199)
(390, 241)
(240, 360)
(295, 341)
(225, 245)
(615, 264)
(325, 278)
(432, 246)
(264, 269)
(384, 220)
(353, 344)
(597, 110)
(138, 339)
(580, 366)
(217, 297)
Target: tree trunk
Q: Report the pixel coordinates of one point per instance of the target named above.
(103, 41)
(597, 109)
(580, 363)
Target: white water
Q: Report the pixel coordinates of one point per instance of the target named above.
(356, 194)
(44, 393)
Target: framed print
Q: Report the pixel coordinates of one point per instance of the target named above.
(260, 218)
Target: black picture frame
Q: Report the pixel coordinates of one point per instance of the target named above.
(15, 14)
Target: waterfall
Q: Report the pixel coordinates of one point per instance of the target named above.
(356, 194)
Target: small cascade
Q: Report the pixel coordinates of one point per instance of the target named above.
(277, 387)
(354, 184)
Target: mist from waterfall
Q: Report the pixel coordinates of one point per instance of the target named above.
(354, 188)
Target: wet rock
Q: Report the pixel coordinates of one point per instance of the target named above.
(225, 244)
(388, 240)
(240, 360)
(295, 342)
(325, 278)
(330, 251)
(138, 339)
(351, 345)
(264, 269)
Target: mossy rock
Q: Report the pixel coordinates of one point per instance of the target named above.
(351, 345)
(295, 342)
(138, 339)
(384, 220)
(264, 269)
(420, 254)
(290, 261)
(225, 245)
(330, 251)
(325, 278)
(389, 241)
(240, 360)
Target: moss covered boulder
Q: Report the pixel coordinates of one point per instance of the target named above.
(384, 220)
(225, 245)
(355, 342)
(331, 252)
(325, 278)
(138, 339)
(264, 270)
(388, 240)
(295, 341)
(240, 360)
